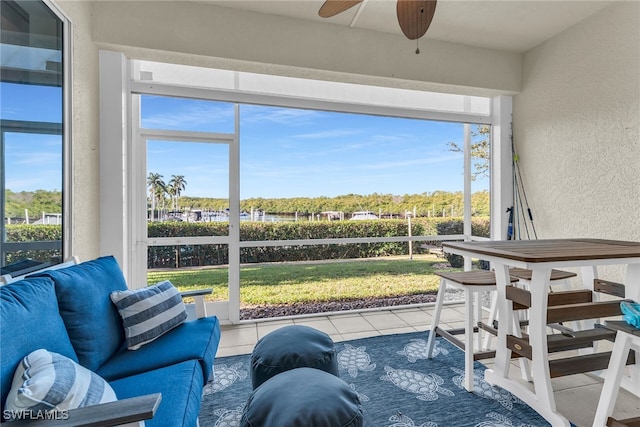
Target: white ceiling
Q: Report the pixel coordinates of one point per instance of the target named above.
(509, 25)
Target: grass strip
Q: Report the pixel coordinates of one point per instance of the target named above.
(312, 282)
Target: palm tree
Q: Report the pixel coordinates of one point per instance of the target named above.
(177, 184)
(157, 188)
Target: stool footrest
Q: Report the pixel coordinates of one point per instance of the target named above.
(449, 336)
(522, 324)
(560, 342)
(493, 330)
(590, 310)
(578, 339)
(522, 298)
(621, 325)
(584, 363)
(458, 331)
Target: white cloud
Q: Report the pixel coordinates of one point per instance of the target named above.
(286, 116)
(192, 116)
(335, 133)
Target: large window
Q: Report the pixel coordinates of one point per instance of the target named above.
(306, 176)
(34, 136)
(393, 157)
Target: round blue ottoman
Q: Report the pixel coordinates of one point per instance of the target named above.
(303, 397)
(291, 347)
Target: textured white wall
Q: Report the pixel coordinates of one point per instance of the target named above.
(203, 34)
(85, 129)
(576, 128)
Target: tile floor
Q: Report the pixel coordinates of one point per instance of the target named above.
(576, 395)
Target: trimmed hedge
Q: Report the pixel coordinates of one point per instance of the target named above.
(33, 233)
(203, 255)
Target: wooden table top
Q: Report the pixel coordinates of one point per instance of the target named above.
(551, 250)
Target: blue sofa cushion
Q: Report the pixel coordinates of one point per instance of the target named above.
(29, 321)
(91, 319)
(181, 387)
(303, 397)
(196, 339)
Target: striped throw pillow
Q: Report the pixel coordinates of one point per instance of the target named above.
(150, 312)
(46, 381)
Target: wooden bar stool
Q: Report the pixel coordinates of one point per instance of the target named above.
(556, 275)
(524, 279)
(473, 283)
(627, 340)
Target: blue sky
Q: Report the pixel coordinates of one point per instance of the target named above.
(32, 162)
(284, 152)
(305, 153)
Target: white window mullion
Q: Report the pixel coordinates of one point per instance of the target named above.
(466, 220)
(467, 182)
(138, 190)
(115, 130)
(501, 167)
(234, 222)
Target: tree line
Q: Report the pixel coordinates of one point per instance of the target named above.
(434, 204)
(35, 202)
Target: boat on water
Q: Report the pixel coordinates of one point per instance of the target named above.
(360, 215)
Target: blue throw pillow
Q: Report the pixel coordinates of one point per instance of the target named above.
(149, 313)
(47, 381)
(29, 320)
(92, 321)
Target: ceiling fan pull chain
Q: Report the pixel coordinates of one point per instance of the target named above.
(418, 24)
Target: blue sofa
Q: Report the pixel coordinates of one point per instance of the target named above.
(69, 311)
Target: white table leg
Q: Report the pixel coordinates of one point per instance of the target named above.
(632, 282)
(492, 316)
(589, 274)
(478, 318)
(468, 337)
(542, 400)
(505, 313)
(538, 341)
(442, 289)
(624, 342)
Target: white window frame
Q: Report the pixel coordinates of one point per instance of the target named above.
(67, 137)
(122, 80)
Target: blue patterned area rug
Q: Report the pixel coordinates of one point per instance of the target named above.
(397, 385)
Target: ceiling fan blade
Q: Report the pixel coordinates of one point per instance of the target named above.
(414, 16)
(333, 7)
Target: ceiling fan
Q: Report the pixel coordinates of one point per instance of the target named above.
(414, 16)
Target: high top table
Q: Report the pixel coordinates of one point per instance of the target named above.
(541, 256)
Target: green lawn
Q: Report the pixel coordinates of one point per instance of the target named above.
(313, 282)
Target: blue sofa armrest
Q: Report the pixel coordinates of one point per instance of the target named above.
(198, 295)
(116, 413)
